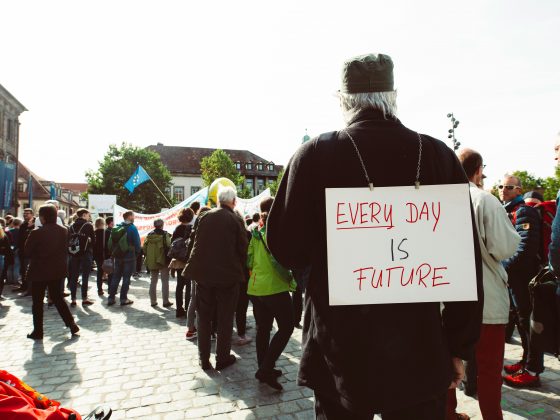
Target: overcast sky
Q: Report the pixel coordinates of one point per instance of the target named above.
(254, 75)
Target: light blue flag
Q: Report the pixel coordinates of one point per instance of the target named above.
(138, 177)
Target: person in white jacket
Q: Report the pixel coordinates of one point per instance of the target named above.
(498, 241)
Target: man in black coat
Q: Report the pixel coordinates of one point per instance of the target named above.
(26, 227)
(47, 250)
(217, 264)
(363, 359)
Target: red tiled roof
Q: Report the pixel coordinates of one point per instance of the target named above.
(75, 187)
(39, 191)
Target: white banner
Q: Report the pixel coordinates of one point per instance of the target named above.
(101, 203)
(145, 222)
(400, 245)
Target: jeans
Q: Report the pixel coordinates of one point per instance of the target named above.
(14, 269)
(266, 309)
(79, 264)
(224, 300)
(38, 293)
(123, 269)
(327, 409)
(182, 283)
(154, 274)
(191, 311)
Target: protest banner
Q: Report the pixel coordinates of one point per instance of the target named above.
(400, 245)
(101, 203)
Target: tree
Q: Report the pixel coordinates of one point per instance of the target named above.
(219, 165)
(118, 165)
(274, 185)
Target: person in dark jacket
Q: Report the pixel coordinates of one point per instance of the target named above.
(27, 226)
(100, 251)
(358, 359)
(521, 268)
(183, 232)
(217, 264)
(81, 261)
(47, 250)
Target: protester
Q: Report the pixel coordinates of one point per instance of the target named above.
(179, 241)
(14, 269)
(191, 310)
(124, 244)
(26, 227)
(521, 268)
(357, 359)
(156, 247)
(217, 264)
(100, 252)
(195, 207)
(498, 241)
(59, 220)
(270, 293)
(81, 245)
(47, 250)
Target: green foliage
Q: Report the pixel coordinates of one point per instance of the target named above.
(219, 165)
(118, 165)
(550, 185)
(244, 192)
(274, 185)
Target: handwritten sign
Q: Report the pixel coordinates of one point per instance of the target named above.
(400, 245)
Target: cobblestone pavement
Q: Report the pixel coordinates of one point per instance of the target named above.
(137, 360)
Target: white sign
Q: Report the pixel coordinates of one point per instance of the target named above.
(400, 245)
(100, 203)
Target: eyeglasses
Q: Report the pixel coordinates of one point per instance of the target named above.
(507, 187)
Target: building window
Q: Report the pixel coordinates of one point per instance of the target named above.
(194, 190)
(21, 187)
(260, 185)
(249, 166)
(260, 166)
(249, 184)
(270, 166)
(238, 166)
(179, 193)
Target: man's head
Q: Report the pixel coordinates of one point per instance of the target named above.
(128, 216)
(472, 165)
(158, 223)
(83, 214)
(100, 223)
(509, 188)
(367, 83)
(55, 203)
(256, 218)
(9, 219)
(195, 206)
(109, 222)
(557, 149)
(28, 214)
(47, 214)
(227, 197)
(17, 223)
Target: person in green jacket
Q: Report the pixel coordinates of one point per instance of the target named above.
(156, 246)
(269, 289)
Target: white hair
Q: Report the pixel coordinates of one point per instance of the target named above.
(353, 103)
(226, 195)
(61, 214)
(53, 202)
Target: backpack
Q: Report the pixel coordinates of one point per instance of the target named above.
(119, 241)
(180, 246)
(78, 242)
(547, 211)
(544, 320)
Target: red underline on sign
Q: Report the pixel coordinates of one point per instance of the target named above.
(365, 227)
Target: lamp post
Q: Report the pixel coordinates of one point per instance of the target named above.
(451, 131)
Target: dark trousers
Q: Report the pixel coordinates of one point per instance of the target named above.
(297, 298)
(182, 284)
(79, 264)
(266, 309)
(139, 261)
(23, 271)
(123, 270)
(209, 299)
(326, 409)
(38, 293)
(241, 311)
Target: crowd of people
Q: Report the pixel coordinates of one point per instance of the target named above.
(356, 358)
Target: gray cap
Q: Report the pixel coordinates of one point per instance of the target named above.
(367, 73)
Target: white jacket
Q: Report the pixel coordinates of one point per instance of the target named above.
(498, 241)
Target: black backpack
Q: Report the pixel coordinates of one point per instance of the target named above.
(179, 246)
(544, 318)
(78, 242)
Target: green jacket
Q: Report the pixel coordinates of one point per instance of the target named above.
(156, 246)
(265, 279)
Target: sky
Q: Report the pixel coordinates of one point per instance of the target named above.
(255, 75)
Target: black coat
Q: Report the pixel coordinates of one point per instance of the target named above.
(24, 230)
(47, 249)
(368, 357)
(219, 252)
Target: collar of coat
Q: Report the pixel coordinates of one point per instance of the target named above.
(372, 115)
(513, 203)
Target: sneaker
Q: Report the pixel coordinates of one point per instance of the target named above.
(87, 302)
(126, 302)
(167, 304)
(191, 335)
(516, 367)
(243, 339)
(523, 379)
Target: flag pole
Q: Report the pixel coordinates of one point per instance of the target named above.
(166, 199)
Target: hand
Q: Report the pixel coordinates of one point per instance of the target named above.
(458, 372)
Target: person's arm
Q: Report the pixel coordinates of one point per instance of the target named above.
(136, 239)
(30, 244)
(554, 248)
(250, 254)
(528, 227)
(502, 239)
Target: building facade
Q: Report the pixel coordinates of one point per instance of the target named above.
(184, 165)
(10, 110)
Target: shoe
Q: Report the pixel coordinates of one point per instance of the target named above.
(167, 304)
(205, 365)
(180, 313)
(87, 302)
(191, 335)
(462, 416)
(74, 329)
(277, 372)
(154, 305)
(298, 326)
(35, 335)
(511, 369)
(66, 294)
(269, 378)
(110, 302)
(100, 293)
(127, 302)
(523, 379)
(243, 339)
(228, 362)
(73, 304)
